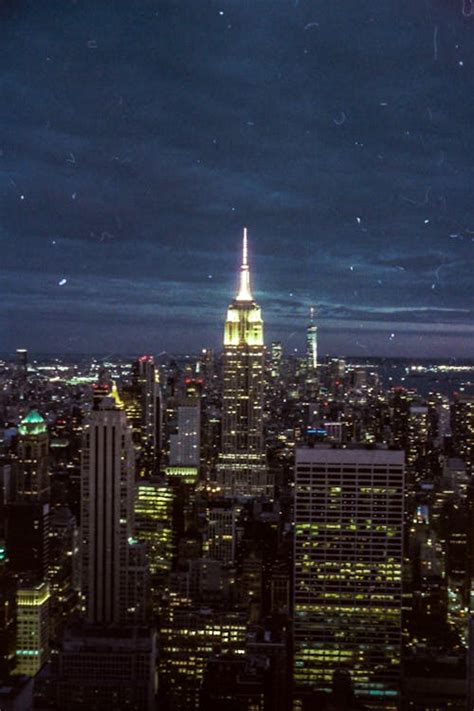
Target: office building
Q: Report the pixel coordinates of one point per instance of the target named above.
(31, 470)
(142, 406)
(347, 570)
(28, 513)
(185, 444)
(189, 636)
(32, 636)
(107, 501)
(222, 517)
(462, 425)
(21, 365)
(153, 522)
(8, 587)
(107, 668)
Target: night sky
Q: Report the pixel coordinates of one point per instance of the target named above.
(138, 137)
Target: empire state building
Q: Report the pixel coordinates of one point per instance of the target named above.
(242, 468)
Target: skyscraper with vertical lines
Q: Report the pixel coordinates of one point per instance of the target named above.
(348, 570)
(242, 469)
(112, 586)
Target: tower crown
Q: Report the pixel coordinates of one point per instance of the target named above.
(244, 325)
(244, 291)
(32, 424)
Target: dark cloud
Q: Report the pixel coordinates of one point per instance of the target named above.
(137, 140)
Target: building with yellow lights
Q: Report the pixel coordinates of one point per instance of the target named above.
(32, 606)
(242, 468)
(347, 570)
(189, 637)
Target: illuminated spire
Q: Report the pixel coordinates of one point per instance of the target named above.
(311, 314)
(244, 292)
(116, 396)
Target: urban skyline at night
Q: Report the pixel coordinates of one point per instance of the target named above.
(237, 355)
(286, 531)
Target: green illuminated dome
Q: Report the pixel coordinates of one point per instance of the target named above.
(32, 424)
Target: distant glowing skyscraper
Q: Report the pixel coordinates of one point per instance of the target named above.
(242, 469)
(312, 343)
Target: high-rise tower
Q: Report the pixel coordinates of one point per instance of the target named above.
(242, 469)
(27, 520)
(32, 473)
(143, 412)
(347, 570)
(108, 550)
(22, 365)
(312, 344)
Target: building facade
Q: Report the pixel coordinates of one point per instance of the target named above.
(242, 468)
(108, 549)
(347, 570)
(33, 620)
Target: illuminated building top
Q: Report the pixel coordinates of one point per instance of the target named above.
(245, 293)
(116, 396)
(244, 325)
(32, 424)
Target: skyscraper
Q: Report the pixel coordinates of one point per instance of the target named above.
(107, 518)
(184, 455)
(22, 365)
(27, 519)
(31, 472)
(311, 344)
(109, 661)
(347, 569)
(142, 408)
(462, 423)
(242, 469)
(32, 628)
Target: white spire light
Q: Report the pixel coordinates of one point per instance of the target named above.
(244, 291)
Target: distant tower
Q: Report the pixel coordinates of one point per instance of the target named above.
(242, 467)
(145, 379)
(276, 358)
(312, 343)
(27, 520)
(107, 544)
(22, 364)
(32, 474)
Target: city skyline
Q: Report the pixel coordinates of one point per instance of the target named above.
(237, 364)
(355, 186)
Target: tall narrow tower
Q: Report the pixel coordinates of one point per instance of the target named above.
(142, 408)
(111, 592)
(312, 344)
(27, 524)
(242, 469)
